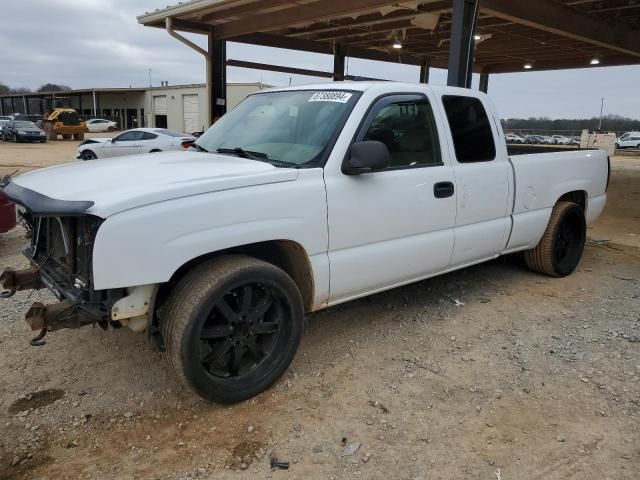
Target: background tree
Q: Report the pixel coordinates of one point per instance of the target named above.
(6, 90)
(614, 123)
(53, 87)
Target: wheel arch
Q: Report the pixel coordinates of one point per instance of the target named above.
(288, 255)
(577, 196)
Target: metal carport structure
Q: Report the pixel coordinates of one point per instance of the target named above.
(463, 36)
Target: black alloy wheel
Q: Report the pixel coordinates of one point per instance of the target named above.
(241, 330)
(560, 248)
(231, 327)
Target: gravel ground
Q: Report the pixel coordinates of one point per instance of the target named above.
(490, 372)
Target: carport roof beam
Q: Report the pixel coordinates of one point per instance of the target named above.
(552, 34)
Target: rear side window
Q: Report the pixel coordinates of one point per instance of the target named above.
(470, 129)
(149, 136)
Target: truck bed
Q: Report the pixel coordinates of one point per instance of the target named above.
(541, 179)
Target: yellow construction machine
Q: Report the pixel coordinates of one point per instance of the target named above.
(62, 120)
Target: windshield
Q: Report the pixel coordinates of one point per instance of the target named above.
(24, 125)
(291, 127)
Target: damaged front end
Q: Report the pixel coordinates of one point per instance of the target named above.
(61, 239)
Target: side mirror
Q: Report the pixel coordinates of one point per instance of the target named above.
(366, 157)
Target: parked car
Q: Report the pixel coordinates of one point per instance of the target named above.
(513, 138)
(631, 141)
(628, 134)
(23, 131)
(100, 125)
(535, 139)
(296, 200)
(137, 140)
(35, 118)
(561, 140)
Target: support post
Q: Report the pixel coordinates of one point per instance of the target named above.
(217, 75)
(424, 70)
(24, 105)
(462, 45)
(484, 82)
(13, 106)
(80, 104)
(338, 64)
(95, 106)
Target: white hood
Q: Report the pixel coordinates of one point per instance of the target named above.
(128, 182)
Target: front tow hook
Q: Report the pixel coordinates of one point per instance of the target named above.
(37, 340)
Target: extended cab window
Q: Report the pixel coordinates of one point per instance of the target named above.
(407, 128)
(470, 129)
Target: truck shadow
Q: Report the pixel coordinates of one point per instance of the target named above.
(436, 295)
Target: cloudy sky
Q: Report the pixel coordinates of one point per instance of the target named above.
(98, 43)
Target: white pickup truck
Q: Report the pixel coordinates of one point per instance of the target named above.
(296, 200)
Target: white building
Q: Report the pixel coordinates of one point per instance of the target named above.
(177, 107)
(183, 107)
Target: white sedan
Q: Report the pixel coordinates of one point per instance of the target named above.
(100, 125)
(137, 140)
(630, 141)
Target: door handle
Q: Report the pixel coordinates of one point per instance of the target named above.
(443, 189)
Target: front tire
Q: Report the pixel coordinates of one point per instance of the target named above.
(231, 327)
(560, 249)
(88, 155)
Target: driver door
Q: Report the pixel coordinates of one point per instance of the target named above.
(127, 143)
(393, 226)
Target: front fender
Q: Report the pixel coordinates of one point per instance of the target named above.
(147, 245)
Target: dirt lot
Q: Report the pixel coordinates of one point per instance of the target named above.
(488, 373)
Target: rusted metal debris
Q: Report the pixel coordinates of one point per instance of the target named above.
(16, 280)
(56, 316)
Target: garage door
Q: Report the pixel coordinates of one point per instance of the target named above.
(190, 113)
(160, 105)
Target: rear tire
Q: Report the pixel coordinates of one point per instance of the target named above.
(231, 327)
(560, 249)
(78, 136)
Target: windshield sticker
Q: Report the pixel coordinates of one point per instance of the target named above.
(339, 97)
